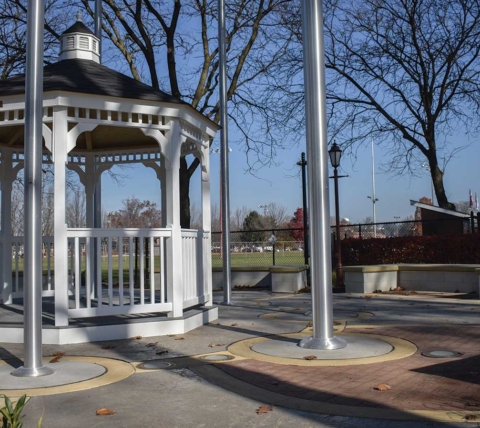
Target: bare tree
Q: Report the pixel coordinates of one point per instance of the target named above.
(76, 208)
(215, 214)
(405, 72)
(136, 213)
(237, 217)
(276, 217)
(147, 30)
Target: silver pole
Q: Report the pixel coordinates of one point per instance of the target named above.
(374, 199)
(32, 291)
(319, 209)
(98, 25)
(222, 55)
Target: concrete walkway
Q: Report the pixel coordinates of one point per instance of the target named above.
(192, 392)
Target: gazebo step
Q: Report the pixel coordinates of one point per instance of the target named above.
(105, 328)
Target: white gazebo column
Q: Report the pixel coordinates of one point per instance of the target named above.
(89, 190)
(163, 190)
(6, 175)
(207, 226)
(60, 129)
(174, 248)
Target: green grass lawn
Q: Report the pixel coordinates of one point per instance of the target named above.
(283, 258)
(289, 258)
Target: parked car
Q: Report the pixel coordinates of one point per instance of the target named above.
(257, 249)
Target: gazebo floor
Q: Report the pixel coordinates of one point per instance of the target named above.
(94, 329)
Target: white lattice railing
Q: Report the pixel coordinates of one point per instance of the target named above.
(117, 271)
(17, 243)
(195, 253)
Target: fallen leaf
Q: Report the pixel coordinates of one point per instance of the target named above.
(161, 352)
(234, 324)
(135, 338)
(264, 409)
(170, 335)
(151, 344)
(310, 357)
(383, 387)
(55, 360)
(212, 345)
(58, 354)
(471, 417)
(179, 338)
(103, 411)
(108, 347)
(368, 296)
(310, 324)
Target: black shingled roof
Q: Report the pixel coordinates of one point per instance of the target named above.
(88, 77)
(78, 27)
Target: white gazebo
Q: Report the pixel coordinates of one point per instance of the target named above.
(95, 118)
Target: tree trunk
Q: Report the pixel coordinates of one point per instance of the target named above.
(184, 194)
(437, 179)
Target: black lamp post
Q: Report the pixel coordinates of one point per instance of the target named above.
(335, 154)
(303, 164)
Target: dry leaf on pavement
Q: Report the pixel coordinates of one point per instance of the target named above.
(234, 324)
(103, 411)
(471, 417)
(212, 345)
(179, 338)
(310, 324)
(368, 296)
(135, 338)
(264, 409)
(151, 344)
(310, 357)
(55, 360)
(383, 387)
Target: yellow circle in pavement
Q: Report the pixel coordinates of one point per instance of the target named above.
(115, 371)
(401, 349)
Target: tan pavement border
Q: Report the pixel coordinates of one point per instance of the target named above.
(116, 370)
(401, 348)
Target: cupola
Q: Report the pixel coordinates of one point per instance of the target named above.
(78, 42)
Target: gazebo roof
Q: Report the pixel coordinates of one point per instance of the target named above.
(88, 77)
(78, 27)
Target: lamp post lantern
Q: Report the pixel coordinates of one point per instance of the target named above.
(335, 154)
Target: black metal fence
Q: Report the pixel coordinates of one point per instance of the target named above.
(286, 246)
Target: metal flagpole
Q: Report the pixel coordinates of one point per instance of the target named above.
(98, 25)
(374, 199)
(319, 208)
(222, 54)
(32, 291)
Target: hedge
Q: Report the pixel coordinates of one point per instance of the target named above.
(445, 249)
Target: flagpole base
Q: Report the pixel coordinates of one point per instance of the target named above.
(32, 372)
(328, 344)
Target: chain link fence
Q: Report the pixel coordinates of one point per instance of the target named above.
(257, 248)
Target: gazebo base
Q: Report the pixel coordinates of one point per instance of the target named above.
(101, 328)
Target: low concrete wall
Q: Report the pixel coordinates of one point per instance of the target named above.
(280, 279)
(441, 278)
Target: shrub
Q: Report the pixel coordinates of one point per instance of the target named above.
(442, 249)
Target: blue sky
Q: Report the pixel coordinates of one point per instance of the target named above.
(281, 184)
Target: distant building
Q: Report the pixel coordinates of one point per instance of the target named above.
(439, 221)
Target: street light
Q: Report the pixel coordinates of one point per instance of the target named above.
(335, 154)
(264, 208)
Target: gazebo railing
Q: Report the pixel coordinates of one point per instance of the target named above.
(16, 255)
(195, 268)
(117, 271)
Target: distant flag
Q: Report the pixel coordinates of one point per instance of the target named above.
(471, 199)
